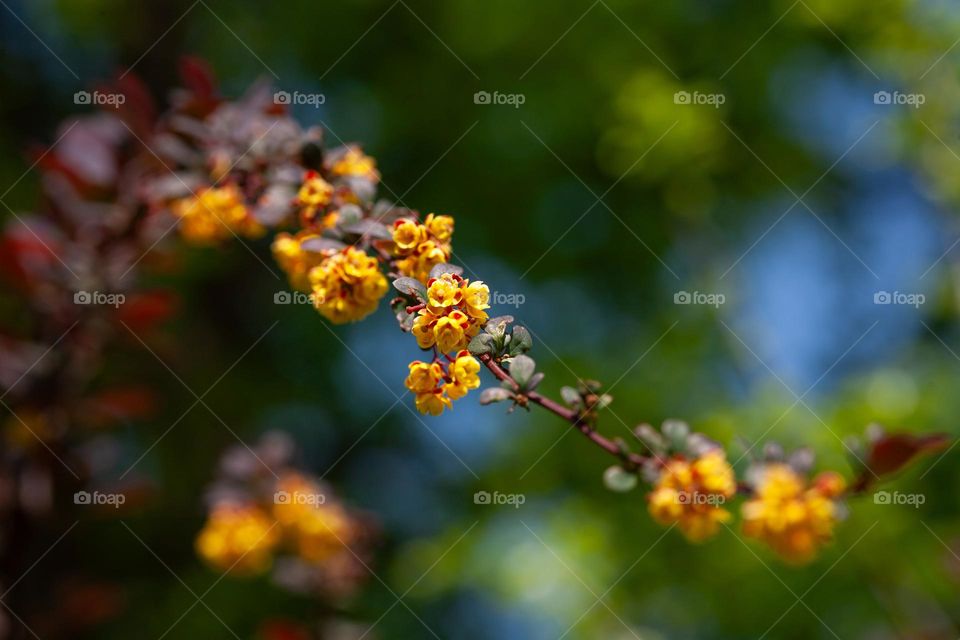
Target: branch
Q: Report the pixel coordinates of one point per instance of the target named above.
(633, 460)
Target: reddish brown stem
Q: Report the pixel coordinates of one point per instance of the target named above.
(633, 460)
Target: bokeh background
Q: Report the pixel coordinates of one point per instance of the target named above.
(592, 204)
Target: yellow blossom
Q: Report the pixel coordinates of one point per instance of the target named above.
(441, 227)
(295, 261)
(450, 332)
(240, 537)
(424, 377)
(444, 292)
(347, 286)
(691, 494)
(476, 298)
(433, 403)
(315, 191)
(318, 528)
(355, 163)
(215, 214)
(793, 519)
(463, 375)
(407, 235)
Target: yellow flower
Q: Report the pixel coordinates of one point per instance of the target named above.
(215, 214)
(450, 332)
(347, 286)
(423, 329)
(294, 260)
(463, 375)
(407, 235)
(433, 403)
(690, 494)
(444, 292)
(324, 532)
(355, 163)
(315, 191)
(476, 298)
(441, 227)
(239, 537)
(793, 519)
(424, 377)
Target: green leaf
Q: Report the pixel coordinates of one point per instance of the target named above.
(535, 380)
(320, 245)
(618, 479)
(368, 227)
(497, 326)
(571, 396)
(521, 369)
(676, 432)
(495, 394)
(521, 341)
(445, 267)
(411, 287)
(349, 214)
(482, 343)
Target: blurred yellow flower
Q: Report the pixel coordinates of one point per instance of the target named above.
(691, 494)
(238, 537)
(793, 519)
(215, 214)
(294, 260)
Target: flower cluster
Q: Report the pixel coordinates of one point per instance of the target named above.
(314, 195)
(454, 313)
(239, 537)
(215, 214)
(434, 387)
(691, 494)
(292, 524)
(421, 247)
(347, 285)
(794, 519)
(295, 258)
